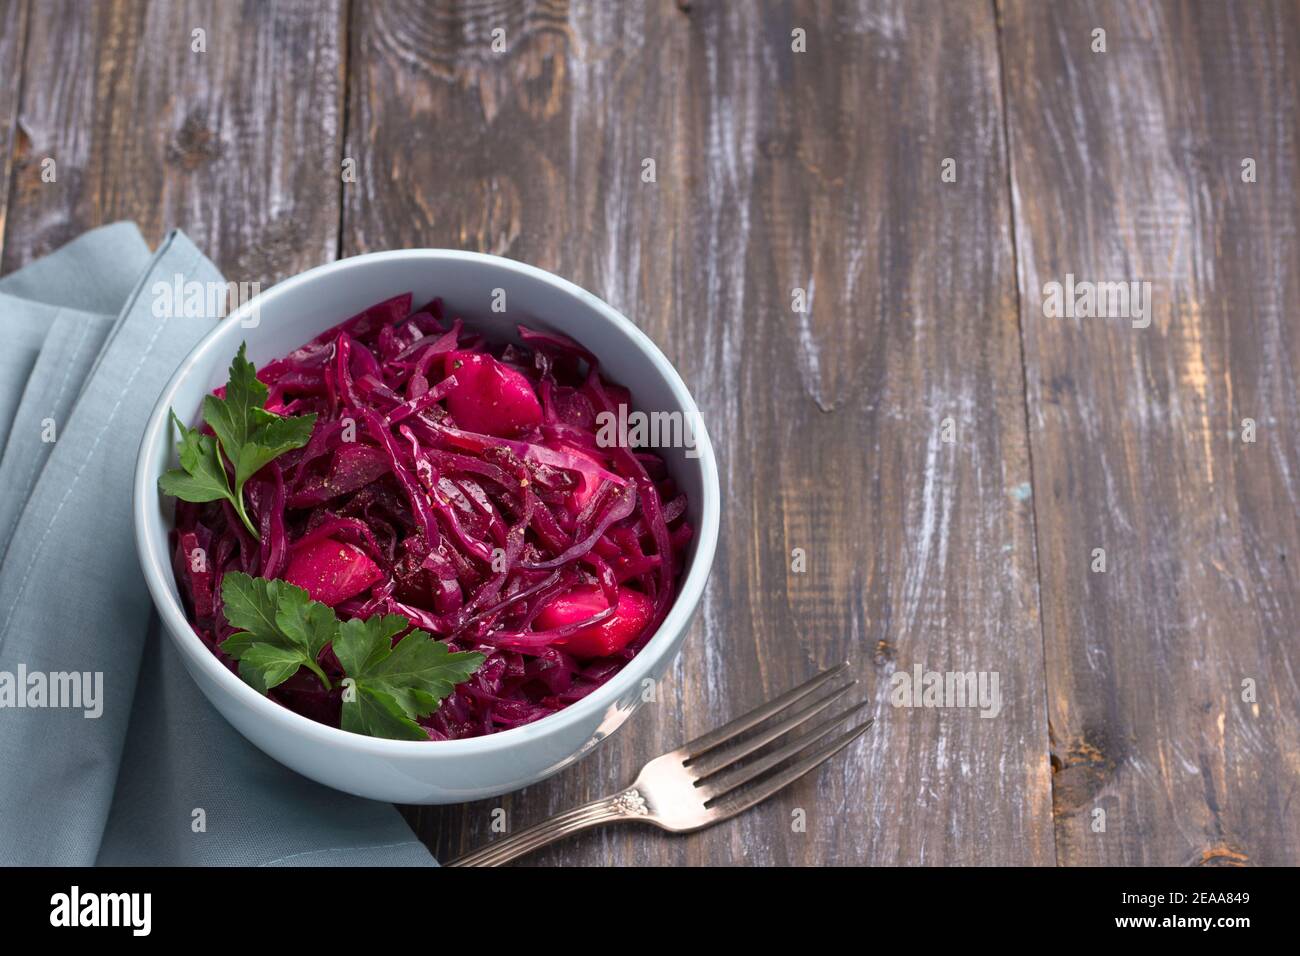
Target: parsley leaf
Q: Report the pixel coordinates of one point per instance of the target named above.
(386, 687)
(392, 685)
(280, 629)
(248, 436)
(232, 417)
(201, 476)
(271, 440)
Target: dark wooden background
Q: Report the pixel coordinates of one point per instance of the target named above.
(821, 170)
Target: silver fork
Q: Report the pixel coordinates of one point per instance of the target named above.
(705, 782)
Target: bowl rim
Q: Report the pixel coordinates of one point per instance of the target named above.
(156, 569)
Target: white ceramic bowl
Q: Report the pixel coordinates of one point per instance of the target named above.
(290, 314)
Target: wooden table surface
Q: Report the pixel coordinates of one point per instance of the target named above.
(948, 457)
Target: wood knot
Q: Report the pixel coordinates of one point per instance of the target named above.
(194, 144)
(775, 147)
(1222, 854)
(1082, 771)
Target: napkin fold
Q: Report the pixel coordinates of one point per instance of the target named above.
(143, 771)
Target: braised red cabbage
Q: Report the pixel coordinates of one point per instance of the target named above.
(459, 483)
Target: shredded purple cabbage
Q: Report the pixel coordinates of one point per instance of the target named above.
(460, 484)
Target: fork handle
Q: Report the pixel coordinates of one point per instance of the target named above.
(624, 805)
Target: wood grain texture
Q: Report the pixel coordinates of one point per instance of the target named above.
(822, 171)
(778, 171)
(13, 36)
(238, 145)
(1127, 166)
(535, 153)
(770, 177)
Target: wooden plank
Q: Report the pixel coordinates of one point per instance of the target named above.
(13, 35)
(535, 153)
(1128, 167)
(239, 145)
(775, 170)
(822, 171)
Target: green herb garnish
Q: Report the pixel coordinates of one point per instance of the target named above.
(280, 629)
(248, 436)
(386, 687)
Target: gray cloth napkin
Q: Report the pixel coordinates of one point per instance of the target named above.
(158, 777)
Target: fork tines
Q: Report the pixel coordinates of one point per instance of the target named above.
(714, 759)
